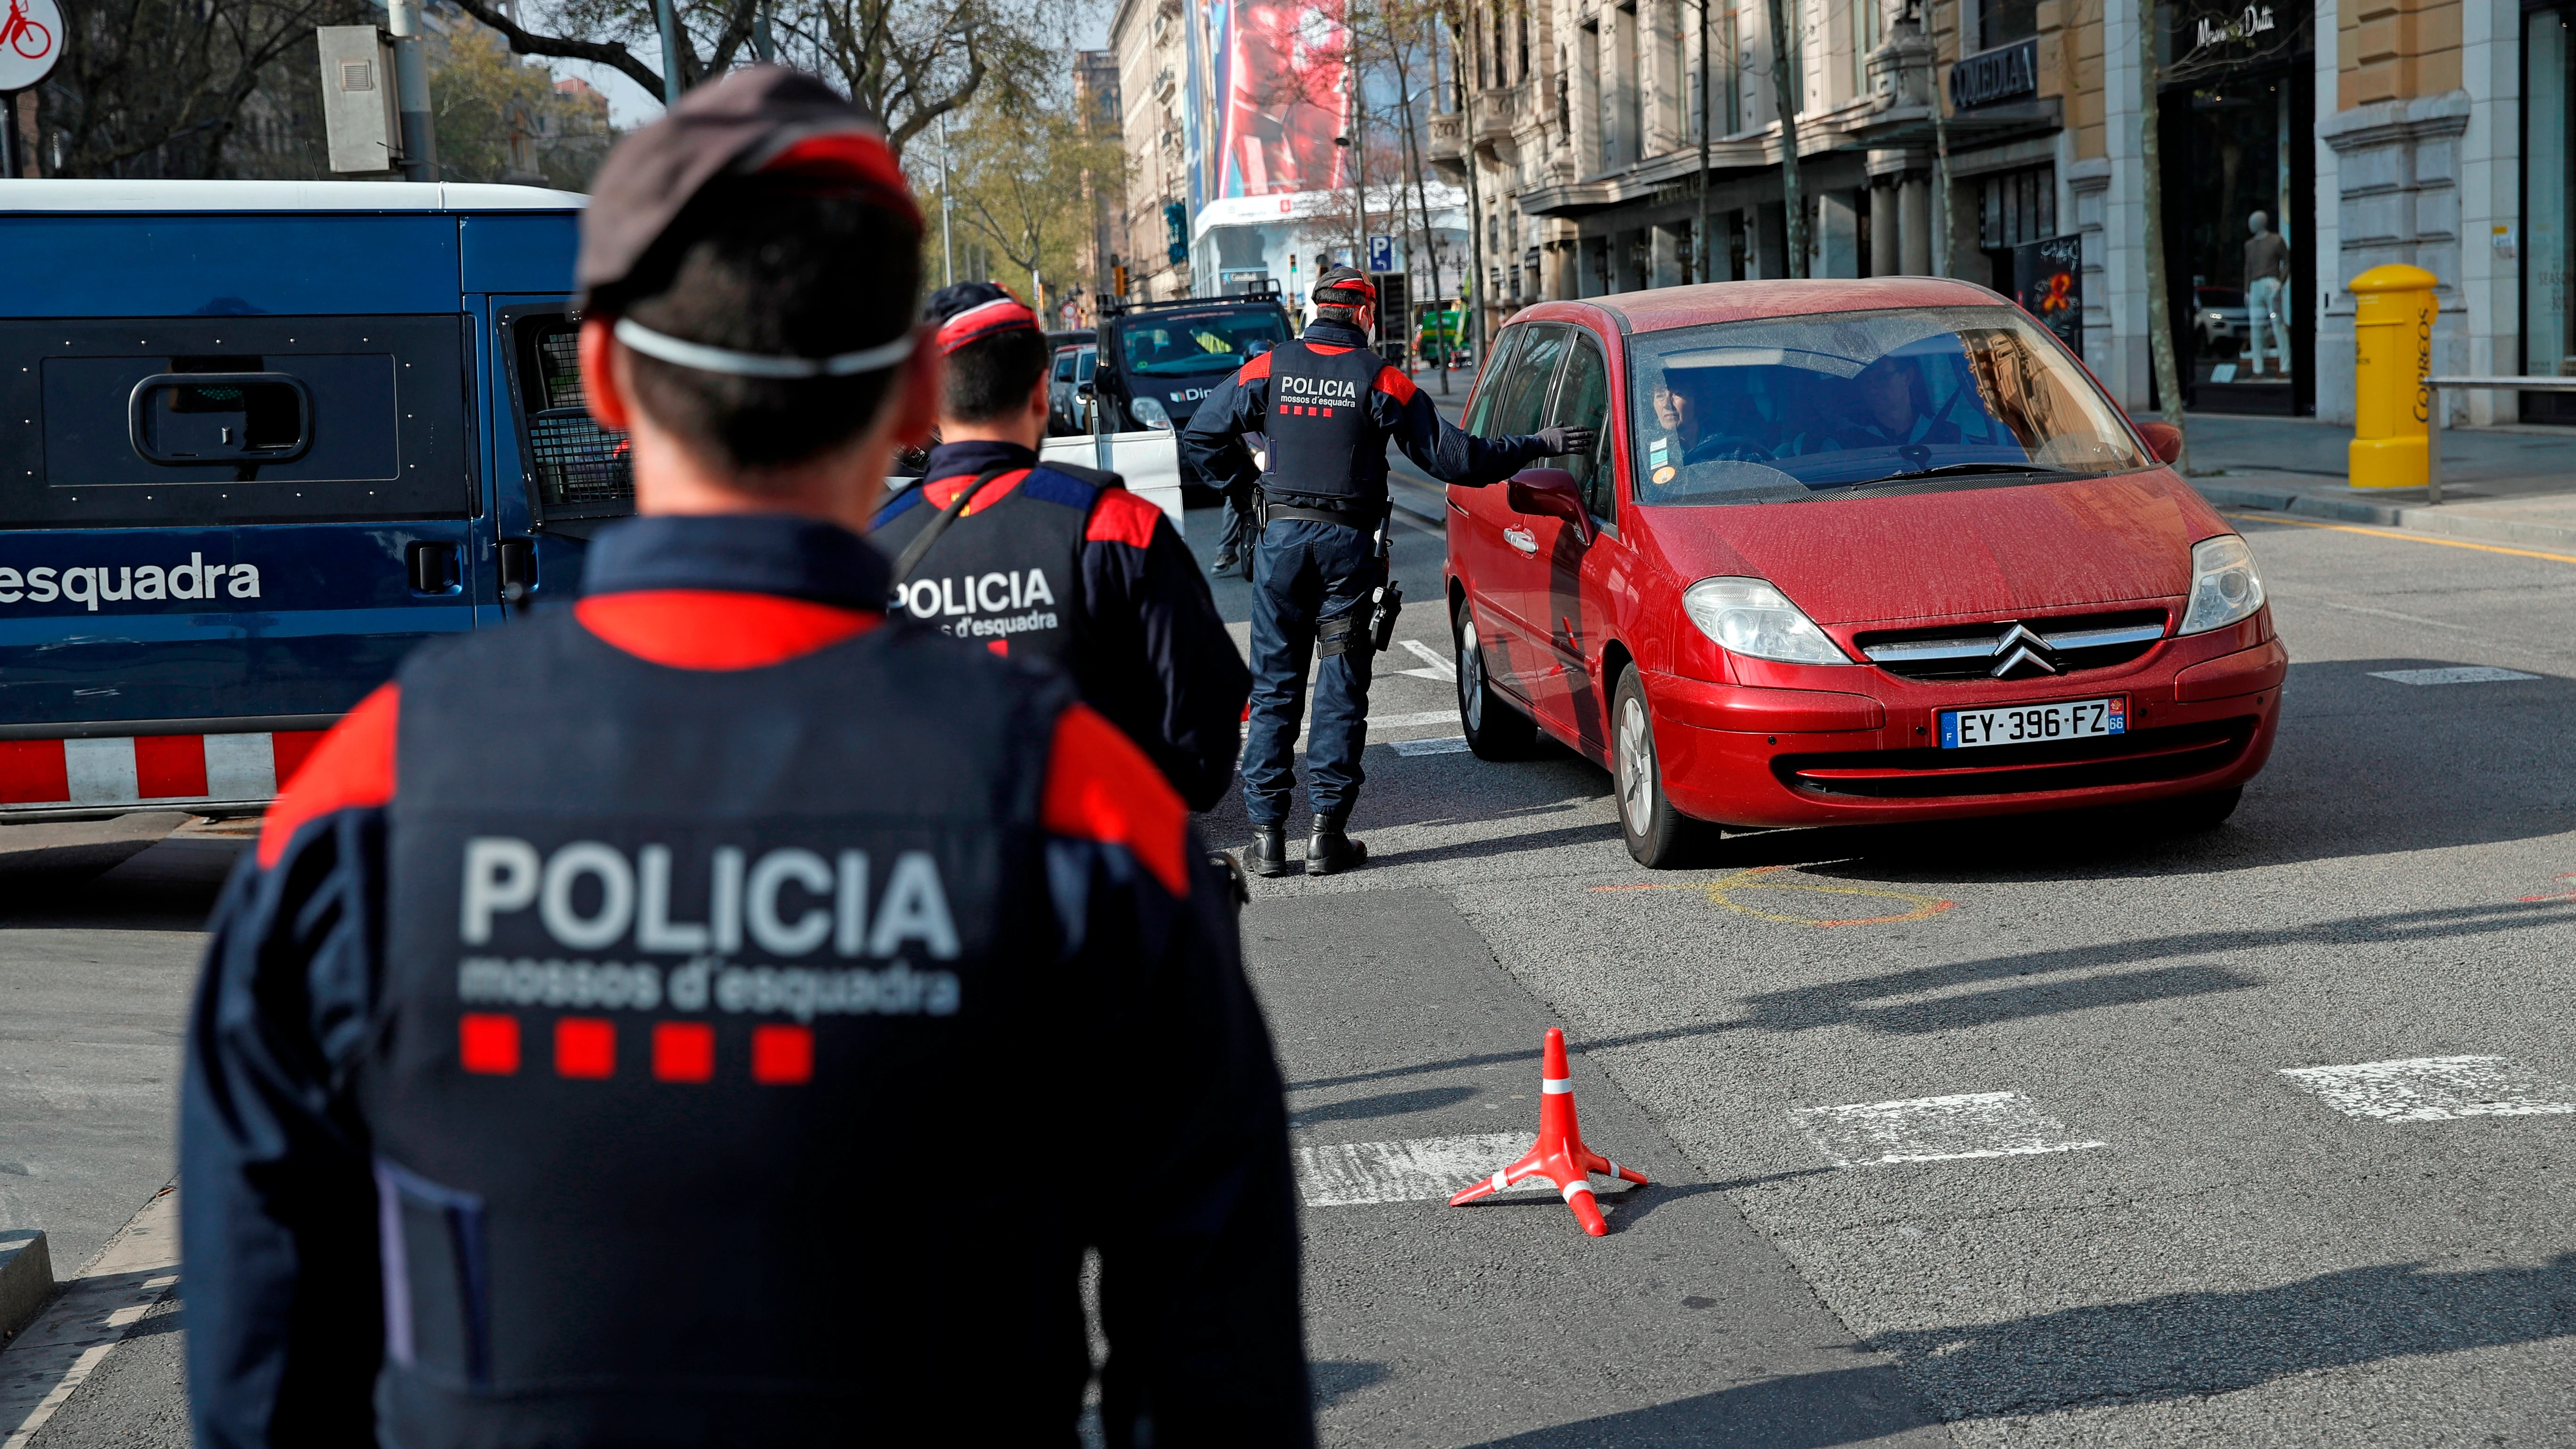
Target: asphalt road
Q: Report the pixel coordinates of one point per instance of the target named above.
(2047, 1146)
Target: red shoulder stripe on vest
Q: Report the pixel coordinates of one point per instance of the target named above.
(1101, 787)
(1395, 384)
(940, 492)
(1122, 517)
(1325, 349)
(1255, 370)
(352, 769)
(717, 629)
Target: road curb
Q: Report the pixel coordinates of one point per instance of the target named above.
(2421, 519)
(26, 1279)
(48, 1363)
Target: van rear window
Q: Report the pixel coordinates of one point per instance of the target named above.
(576, 468)
(198, 420)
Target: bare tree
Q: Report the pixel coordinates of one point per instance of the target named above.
(156, 88)
(909, 61)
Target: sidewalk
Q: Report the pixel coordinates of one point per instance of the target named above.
(2499, 485)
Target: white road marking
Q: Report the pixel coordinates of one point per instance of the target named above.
(1434, 667)
(73, 1336)
(2458, 674)
(2436, 1089)
(1424, 1169)
(1445, 745)
(1388, 721)
(1933, 1129)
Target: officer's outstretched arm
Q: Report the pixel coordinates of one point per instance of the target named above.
(1440, 447)
(277, 1215)
(1196, 1225)
(1213, 438)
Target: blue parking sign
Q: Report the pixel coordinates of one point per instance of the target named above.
(1381, 253)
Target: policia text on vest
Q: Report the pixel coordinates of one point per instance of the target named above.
(1328, 407)
(1047, 561)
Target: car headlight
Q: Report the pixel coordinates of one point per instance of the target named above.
(2224, 585)
(1150, 412)
(1749, 616)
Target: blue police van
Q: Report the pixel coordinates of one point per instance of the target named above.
(271, 436)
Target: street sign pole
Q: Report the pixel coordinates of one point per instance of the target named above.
(29, 45)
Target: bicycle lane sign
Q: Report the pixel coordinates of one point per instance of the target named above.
(30, 43)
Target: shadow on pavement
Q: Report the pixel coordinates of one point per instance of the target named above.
(2191, 1344)
(1802, 1411)
(164, 884)
(1846, 1003)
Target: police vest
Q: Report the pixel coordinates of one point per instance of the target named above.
(704, 996)
(1007, 576)
(1322, 444)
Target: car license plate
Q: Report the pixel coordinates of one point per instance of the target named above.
(2024, 724)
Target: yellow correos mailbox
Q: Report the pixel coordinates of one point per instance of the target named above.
(2393, 326)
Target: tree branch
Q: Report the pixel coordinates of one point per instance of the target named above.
(527, 42)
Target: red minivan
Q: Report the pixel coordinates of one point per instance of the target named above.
(1848, 552)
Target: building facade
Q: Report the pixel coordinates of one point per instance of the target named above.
(1983, 138)
(1150, 40)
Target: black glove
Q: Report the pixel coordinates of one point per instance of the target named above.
(1567, 440)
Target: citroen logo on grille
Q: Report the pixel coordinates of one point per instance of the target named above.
(2020, 652)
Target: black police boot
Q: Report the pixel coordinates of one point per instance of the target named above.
(1328, 850)
(1224, 564)
(1267, 855)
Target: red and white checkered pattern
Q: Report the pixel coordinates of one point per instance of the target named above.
(150, 769)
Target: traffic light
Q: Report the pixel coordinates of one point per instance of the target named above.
(1176, 231)
(1118, 281)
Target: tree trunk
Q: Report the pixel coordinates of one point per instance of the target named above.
(1784, 86)
(1707, 238)
(2160, 340)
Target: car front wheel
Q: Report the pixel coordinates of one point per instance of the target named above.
(1658, 835)
(1494, 729)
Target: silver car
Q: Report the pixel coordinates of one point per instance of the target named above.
(1072, 372)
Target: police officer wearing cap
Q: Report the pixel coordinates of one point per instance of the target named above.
(1058, 563)
(718, 1011)
(1328, 406)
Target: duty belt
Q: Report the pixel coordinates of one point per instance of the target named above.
(1360, 519)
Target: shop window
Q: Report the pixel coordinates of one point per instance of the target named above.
(2017, 206)
(2001, 22)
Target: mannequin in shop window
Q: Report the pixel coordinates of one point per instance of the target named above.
(2267, 266)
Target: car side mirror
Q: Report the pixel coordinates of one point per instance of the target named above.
(1551, 493)
(2163, 439)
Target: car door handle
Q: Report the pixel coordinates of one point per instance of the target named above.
(1522, 539)
(433, 567)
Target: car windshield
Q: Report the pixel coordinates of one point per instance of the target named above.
(1188, 344)
(1853, 402)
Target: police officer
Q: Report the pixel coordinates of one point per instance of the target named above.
(1059, 563)
(1328, 406)
(669, 1019)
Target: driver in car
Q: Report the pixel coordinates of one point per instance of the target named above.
(1895, 408)
(1703, 430)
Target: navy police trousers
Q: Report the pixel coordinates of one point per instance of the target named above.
(1305, 576)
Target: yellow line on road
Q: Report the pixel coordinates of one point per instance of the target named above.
(2404, 537)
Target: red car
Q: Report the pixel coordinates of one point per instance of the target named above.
(1848, 552)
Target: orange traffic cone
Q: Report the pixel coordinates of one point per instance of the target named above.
(1560, 1155)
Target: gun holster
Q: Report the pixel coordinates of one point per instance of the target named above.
(1389, 603)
